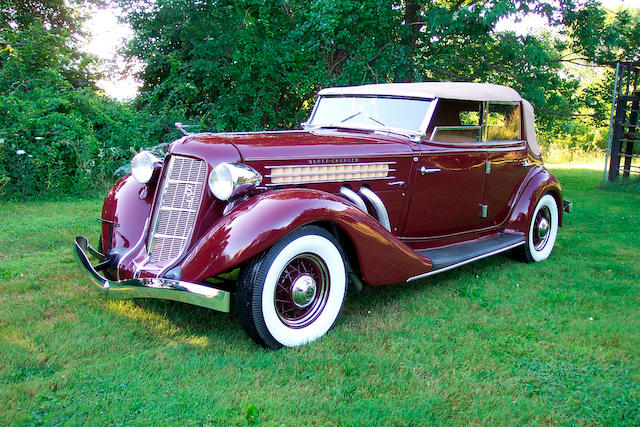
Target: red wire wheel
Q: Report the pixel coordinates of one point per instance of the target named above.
(292, 293)
(302, 291)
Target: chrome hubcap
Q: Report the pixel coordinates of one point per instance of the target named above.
(303, 290)
(541, 228)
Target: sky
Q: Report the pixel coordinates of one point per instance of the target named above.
(107, 36)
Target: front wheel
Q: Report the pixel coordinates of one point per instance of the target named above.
(543, 230)
(292, 293)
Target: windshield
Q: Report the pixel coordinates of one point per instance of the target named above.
(370, 112)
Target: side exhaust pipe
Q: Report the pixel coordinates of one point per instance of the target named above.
(378, 206)
(354, 198)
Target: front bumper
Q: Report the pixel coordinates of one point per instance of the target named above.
(174, 290)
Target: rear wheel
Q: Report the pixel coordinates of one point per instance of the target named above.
(543, 230)
(292, 293)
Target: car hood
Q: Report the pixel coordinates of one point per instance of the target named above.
(283, 145)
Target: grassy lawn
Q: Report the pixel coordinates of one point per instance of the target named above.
(495, 342)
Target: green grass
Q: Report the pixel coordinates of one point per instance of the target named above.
(495, 342)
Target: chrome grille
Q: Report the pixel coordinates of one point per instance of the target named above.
(176, 208)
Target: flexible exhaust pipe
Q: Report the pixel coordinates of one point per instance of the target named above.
(378, 206)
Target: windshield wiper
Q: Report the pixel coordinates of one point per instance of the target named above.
(368, 116)
(377, 121)
(350, 117)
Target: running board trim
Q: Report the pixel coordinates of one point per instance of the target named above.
(470, 260)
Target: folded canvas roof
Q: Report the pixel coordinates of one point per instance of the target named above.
(463, 91)
(447, 90)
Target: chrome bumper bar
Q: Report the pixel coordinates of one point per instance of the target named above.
(174, 290)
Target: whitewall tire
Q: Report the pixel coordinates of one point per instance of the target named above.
(543, 230)
(292, 293)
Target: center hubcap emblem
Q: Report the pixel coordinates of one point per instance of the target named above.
(303, 290)
(543, 228)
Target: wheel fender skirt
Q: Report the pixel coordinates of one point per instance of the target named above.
(257, 223)
(540, 183)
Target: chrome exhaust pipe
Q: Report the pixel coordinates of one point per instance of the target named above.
(378, 206)
(354, 198)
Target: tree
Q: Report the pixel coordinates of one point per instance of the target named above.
(58, 134)
(254, 64)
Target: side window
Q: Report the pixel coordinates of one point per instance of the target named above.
(503, 122)
(455, 121)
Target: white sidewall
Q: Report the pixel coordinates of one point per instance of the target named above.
(331, 256)
(550, 202)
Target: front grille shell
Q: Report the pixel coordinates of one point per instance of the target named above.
(176, 208)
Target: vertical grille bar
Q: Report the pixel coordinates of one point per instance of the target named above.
(176, 208)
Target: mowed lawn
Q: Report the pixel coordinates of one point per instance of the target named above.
(495, 342)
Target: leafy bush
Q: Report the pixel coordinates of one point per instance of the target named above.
(58, 134)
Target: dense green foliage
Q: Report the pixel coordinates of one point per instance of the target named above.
(497, 342)
(257, 64)
(254, 64)
(58, 134)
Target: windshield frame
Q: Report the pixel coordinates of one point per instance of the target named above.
(415, 136)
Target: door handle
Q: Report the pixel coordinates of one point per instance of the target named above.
(425, 170)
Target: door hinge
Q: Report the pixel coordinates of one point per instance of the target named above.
(487, 168)
(483, 211)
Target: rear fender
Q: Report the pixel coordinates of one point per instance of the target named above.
(540, 183)
(257, 223)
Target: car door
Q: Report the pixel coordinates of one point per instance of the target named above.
(507, 154)
(449, 177)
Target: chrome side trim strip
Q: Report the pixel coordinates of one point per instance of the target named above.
(330, 164)
(354, 198)
(378, 206)
(283, 175)
(451, 267)
(328, 180)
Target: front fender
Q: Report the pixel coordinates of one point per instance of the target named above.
(256, 224)
(128, 205)
(540, 183)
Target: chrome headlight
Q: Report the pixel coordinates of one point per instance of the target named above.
(231, 179)
(143, 165)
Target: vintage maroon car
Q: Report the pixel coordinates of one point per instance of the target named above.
(386, 183)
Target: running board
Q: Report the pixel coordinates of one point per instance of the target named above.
(453, 256)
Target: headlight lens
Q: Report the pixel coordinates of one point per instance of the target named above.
(143, 165)
(231, 179)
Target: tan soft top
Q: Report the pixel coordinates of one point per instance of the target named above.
(448, 90)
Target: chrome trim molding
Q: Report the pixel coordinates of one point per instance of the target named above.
(338, 172)
(286, 175)
(167, 289)
(327, 164)
(328, 181)
(175, 208)
(451, 267)
(354, 198)
(378, 206)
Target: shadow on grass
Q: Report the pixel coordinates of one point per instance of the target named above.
(196, 322)
(224, 328)
(456, 280)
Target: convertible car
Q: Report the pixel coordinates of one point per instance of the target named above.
(385, 183)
